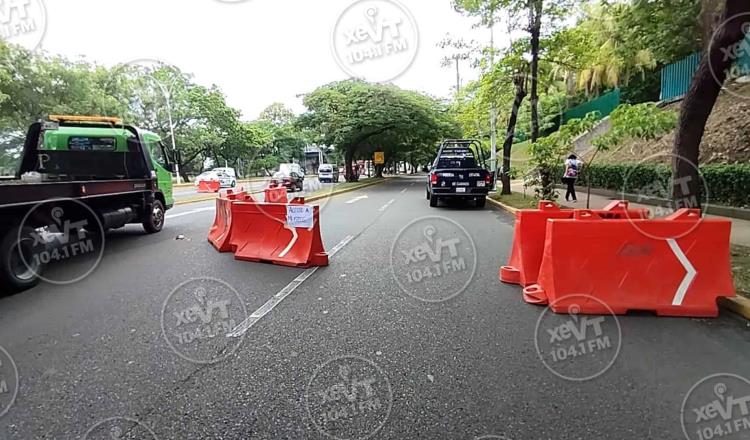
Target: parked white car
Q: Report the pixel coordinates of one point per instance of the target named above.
(229, 172)
(224, 179)
(328, 173)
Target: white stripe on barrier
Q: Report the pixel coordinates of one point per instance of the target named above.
(689, 275)
(291, 242)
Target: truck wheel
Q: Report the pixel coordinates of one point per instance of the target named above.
(481, 201)
(428, 194)
(18, 273)
(154, 222)
(433, 200)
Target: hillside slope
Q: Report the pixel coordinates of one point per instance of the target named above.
(726, 140)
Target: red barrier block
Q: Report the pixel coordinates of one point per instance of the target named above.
(221, 230)
(625, 264)
(529, 233)
(205, 186)
(261, 232)
(275, 195)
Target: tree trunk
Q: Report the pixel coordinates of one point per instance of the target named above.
(535, 11)
(519, 81)
(348, 170)
(709, 19)
(699, 102)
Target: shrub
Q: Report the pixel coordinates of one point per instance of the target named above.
(727, 184)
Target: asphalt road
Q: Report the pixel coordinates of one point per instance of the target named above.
(381, 343)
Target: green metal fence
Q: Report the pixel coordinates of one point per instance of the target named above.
(676, 77)
(604, 104)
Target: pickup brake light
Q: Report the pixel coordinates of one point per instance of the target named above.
(433, 178)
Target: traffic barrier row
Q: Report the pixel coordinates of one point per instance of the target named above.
(275, 195)
(674, 266)
(280, 233)
(529, 233)
(212, 186)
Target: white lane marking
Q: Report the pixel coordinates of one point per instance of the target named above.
(194, 211)
(384, 207)
(356, 199)
(403, 190)
(689, 275)
(256, 316)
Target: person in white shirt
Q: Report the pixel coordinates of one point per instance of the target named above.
(572, 169)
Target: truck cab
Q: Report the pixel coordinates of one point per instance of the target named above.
(78, 177)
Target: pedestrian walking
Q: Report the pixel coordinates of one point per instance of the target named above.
(572, 169)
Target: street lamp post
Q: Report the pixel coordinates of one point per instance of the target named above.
(167, 97)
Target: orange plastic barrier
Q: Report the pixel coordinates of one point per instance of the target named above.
(275, 195)
(221, 230)
(209, 186)
(260, 232)
(625, 264)
(528, 237)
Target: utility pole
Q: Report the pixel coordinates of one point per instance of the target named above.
(493, 113)
(171, 127)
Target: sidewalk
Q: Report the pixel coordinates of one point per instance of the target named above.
(740, 228)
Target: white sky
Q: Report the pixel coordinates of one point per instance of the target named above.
(256, 51)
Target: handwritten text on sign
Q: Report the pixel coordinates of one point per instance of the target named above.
(299, 216)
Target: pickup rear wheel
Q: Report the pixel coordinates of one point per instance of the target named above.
(428, 194)
(481, 201)
(154, 222)
(433, 200)
(18, 271)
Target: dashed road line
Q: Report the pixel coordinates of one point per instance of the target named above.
(266, 308)
(384, 207)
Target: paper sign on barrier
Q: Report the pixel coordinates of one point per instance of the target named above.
(299, 216)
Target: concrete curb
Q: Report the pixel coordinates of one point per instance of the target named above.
(738, 304)
(307, 199)
(503, 206)
(187, 185)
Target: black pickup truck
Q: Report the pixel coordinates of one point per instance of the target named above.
(459, 171)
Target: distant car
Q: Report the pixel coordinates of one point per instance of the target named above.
(289, 167)
(229, 172)
(225, 180)
(292, 180)
(328, 173)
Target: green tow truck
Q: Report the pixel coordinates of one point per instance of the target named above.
(78, 177)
